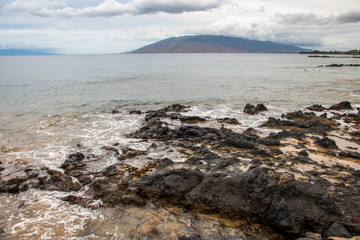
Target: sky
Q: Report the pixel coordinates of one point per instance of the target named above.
(115, 26)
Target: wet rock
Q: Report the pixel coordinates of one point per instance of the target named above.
(111, 149)
(303, 153)
(192, 237)
(175, 108)
(171, 184)
(337, 230)
(163, 112)
(74, 161)
(311, 126)
(341, 106)
(115, 112)
(251, 109)
(356, 173)
(192, 119)
(154, 115)
(130, 153)
(138, 112)
(316, 107)
(165, 162)
(269, 196)
(326, 143)
(300, 115)
(57, 181)
(355, 155)
(227, 120)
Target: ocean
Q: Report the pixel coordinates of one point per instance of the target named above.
(51, 105)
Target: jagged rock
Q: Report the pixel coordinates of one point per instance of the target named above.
(311, 126)
(355, 155)
(316, 107)
(227, 120)
(337, 230)
(192, 119)
(270, 197)
(303, 153)
(138, 112)
(165, 162)
(192, 237)
(326, 143)
(341, 106)
(300, 115)
(251, 109)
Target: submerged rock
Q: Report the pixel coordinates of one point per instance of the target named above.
(228, 120)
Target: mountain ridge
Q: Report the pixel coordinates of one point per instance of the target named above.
(23, 52)
(216, 44)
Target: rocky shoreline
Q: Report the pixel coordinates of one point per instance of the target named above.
(300, 182)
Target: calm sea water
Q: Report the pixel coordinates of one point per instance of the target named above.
(49, 104)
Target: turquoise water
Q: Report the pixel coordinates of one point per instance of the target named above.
(58, 84)
(48, 104)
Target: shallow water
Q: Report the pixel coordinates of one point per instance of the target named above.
(50, 106)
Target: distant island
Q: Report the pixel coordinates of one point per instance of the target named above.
(216, 44)
(23, 52)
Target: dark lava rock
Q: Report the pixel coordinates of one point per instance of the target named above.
(355, 155)
(337, 230)
(74, 161)
(326, 143)
(300, 115)
(171, 184)
(165, 162)
(317, 108)
(155, 115)
(192, 119)
(311, 126)
(251, 109)
(159, 130)
(175, 108)
(303, 153)
(341, 106)
(227, 120)
(261, 193)
(135, 112)
(192, 237)
(357, 173)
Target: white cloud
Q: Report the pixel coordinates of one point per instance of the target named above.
(95, 26)
(109, 8)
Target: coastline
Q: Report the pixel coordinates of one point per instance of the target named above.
(302, 178)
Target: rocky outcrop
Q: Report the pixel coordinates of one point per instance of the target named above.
(251, 109)
(341, 106)
(260, 194)
(240, 176)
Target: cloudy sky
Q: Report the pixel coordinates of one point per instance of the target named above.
(111, 26)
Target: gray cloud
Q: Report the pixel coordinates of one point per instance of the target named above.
(351, 17)
(304, 19)
(109, 8)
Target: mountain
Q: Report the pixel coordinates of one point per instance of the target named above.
(216, 44)
(22, 52)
